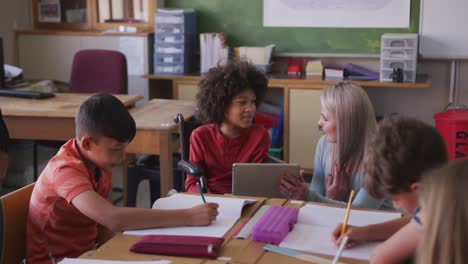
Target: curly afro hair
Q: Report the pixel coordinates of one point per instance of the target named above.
(221, 84)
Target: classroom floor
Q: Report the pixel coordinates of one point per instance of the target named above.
(20, 171)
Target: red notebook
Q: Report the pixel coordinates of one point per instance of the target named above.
(183, 246)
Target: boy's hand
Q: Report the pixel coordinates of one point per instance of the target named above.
(356, 235)
(292, 187)
(203, 214)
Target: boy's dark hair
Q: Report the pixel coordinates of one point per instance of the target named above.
(222, 83)
(4, 137)
(105, 115)
(399, 153)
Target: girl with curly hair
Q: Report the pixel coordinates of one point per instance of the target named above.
(226, 102)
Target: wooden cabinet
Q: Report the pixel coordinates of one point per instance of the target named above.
(304, 113)
(93, 14)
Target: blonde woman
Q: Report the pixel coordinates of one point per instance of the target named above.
(347, 119)
(444, 215)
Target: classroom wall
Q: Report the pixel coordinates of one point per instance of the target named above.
(13, 14)
(419, 103)
(423, 103)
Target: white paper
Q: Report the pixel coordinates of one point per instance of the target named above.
(315, 223)
(229, 211)
(95, 261)
(337, 13)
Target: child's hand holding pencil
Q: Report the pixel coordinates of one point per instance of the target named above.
(356, 235)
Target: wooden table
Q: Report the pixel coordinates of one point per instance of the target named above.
(47, 119)
(54, 119)
(155, 129)
(245, 251)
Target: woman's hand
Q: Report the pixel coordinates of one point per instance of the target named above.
(338, 186)
(294, 188)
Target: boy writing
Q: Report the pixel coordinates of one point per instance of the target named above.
(398, 155)
(69, 212)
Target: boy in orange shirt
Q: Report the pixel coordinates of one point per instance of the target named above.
(69, 212)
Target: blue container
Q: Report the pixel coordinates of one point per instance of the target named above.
(277, 132)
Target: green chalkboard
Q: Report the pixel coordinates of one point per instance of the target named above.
(242, 22)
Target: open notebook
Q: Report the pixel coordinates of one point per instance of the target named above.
(315, 223)
(229, 211)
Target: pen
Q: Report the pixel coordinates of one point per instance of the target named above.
(348, 210)
(201, 192)
(340, 250)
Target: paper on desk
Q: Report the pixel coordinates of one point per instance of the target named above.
(315, 224)
(229, 211)
(95, 261)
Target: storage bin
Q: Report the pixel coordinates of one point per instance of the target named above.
(401, 63)
(453, 127)
(399, 41)
(408, 75)
(169, 28)
(161, 59)
(399, 53)
(175, 41)
(169, 38)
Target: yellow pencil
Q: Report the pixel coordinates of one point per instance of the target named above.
(343, 229)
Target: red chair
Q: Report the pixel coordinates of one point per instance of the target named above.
(93, 71)
(103, 71)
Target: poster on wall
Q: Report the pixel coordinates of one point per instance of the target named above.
(337, 13)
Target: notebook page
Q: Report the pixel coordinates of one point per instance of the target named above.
(229, 211)
(313, 214)
(315, 223)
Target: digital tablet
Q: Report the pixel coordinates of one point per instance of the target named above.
(260, 179)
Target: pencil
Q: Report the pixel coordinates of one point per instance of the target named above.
(201, 192)
(340, 250)
(348, 210)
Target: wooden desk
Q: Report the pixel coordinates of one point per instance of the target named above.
(155, 128)
(47, 119)
(245, 251)
(54, 119)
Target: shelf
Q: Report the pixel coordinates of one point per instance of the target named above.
(80, 33)
(423, 81)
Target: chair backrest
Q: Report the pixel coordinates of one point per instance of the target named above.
(13, 216)
(102, 71)
(185, 130)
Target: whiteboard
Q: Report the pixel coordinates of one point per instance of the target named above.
(443, 29)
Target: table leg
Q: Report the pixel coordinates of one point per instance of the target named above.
(129, 158)
(165, 163)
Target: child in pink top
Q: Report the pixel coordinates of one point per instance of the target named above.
(227, 101)
(69, 212)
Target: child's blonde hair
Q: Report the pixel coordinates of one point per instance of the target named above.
(355, 121)
(445, 216)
